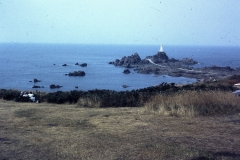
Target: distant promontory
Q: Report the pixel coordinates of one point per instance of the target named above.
(161, 64)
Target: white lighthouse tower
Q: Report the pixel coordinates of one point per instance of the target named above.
(161, 48)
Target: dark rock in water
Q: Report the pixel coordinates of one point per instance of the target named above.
(36, 80)
(53, 86)
(37, 86)
(125, 86)
(127, 61)
(188, 61)
(64, 65)
(76, 86)
(83, 64)
(117, 61)
(160, 57)
(128, 65)
(173, 60)
(126, 71)
(77, 73)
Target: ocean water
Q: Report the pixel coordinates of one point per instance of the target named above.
(21, 63)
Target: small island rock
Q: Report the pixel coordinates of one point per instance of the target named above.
(83, 64)
(53, 86)
(126, 71)
(77, 73)
(36, 80)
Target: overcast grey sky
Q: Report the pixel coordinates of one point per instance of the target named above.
(171, 22)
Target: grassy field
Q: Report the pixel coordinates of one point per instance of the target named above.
(50, 131)
(195, 103)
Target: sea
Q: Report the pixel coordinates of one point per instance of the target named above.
(21, 63)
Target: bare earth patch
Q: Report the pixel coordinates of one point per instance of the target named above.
(49, 131)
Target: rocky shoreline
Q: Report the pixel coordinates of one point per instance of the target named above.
(161, 64)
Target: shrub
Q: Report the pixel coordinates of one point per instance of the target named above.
(57, 97)
(9, 94)
(74, 96)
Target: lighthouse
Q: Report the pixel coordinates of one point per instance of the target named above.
(161, 48)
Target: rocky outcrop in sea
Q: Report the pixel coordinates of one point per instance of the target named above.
(76, 73)
(53, 86)
(161, 64)
(128, 62)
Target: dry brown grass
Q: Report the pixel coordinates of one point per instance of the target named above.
(87, 102)
(194, 103)
(49, 131)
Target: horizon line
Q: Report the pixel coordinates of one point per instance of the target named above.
(134, 44)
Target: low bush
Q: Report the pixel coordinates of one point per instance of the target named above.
(57, 97)
(9, 94)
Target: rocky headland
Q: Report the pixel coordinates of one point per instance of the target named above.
(161, 64)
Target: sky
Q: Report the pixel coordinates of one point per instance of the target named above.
(170, 22)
